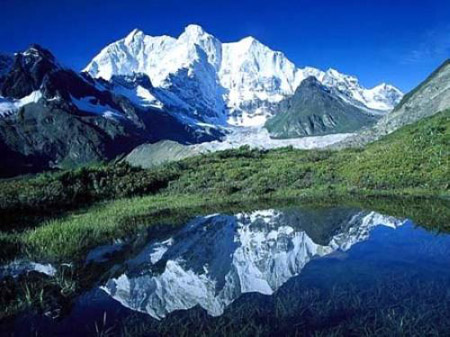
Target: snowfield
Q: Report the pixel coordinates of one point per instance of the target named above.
(9, 106)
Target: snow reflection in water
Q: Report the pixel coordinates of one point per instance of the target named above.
(217, 258)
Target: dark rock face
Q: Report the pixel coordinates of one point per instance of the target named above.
(56, 132)
(54, 138)
(27, 72)
(316, 110)
(6, 62)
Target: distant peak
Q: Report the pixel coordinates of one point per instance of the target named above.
(38, 51)
(383, 86)
(135, 32)
(36, 47)
(337, 75)
(387, 87)
(310, 82)
(333, 71)
(250, 40)
(194, 29)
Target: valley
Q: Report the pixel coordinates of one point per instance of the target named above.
(411, 162)
(185, 185)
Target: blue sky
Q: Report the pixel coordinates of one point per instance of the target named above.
(396, 41)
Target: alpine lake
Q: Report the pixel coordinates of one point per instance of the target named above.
(278, 268)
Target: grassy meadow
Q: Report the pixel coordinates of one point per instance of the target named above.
(80, 209)
(59, 217)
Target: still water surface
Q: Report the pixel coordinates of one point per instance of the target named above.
(297, 271)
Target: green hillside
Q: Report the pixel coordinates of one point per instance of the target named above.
(413, 161)
(415, 157)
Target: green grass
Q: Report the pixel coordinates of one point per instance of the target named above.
(67, 237)
(70, 238)
(414, 161)
(34, 291)
(417, 156)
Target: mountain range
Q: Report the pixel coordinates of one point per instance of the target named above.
(240, 83)
(194, 91)
(51, 116)
(315, 109)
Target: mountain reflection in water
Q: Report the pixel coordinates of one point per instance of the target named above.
(215, 259)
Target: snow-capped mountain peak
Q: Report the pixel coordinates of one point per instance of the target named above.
(256, 79)
(384, 96)
(250, 42)
(380, 99)
(242, 81)
(194, 30)
(134, 34)
(196, 35)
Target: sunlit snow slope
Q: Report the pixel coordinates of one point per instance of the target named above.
(238, 83)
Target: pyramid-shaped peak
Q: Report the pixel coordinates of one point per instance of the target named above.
(310, 80)
(251, 43)
(35, 49)
(134, 33)
(249, 40)
(195, 32)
